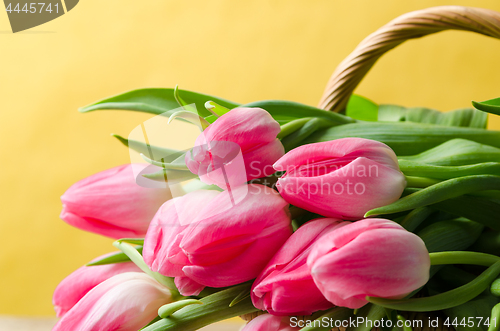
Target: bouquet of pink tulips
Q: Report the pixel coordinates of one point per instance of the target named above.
(303, 218)
(280, 220)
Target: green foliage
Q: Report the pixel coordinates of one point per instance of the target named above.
(156, 101)
(490, 106)
(361, 108)
(457, 152)
(467, 117)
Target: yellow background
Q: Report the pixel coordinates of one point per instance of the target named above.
(240, 50)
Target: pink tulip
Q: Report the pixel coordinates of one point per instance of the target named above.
(80, 282)
(124, 302)
(239, 146)
(371, 257)
(343, 178)
(268, 322)
(217, 239)
(110, 203)
(285, 286)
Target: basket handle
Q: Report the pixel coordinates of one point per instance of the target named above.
(411, 25)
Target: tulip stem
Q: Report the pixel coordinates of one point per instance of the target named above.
(495, 318)
(292, 126)
(495, 288)
(462, 257)
(420, 182)
(215, 308)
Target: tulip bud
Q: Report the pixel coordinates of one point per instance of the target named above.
(239, 146)
(125, 302)
(217, 239)
(371, 257)
(80, 282)
(268, 322)
(110, 203)
(285, 286)
(343, 178)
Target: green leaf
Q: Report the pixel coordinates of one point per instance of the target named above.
(490, 106)
(170, 308)
(448, 189)
(413, 168)
(189, 117)
(286, 111)
(488, 242)
(444, 300)
(312, 125)
(156, 101)
(415, 218)
(138, 260)
(474, 309)
(468, 117)
(216, 109)
(171, 176)
(406, 138)
(450, 235)
(179, 165)
(361, 108)
(476, 209)
(245, 293)
(153, 152)
(215, 308)
(117, 257)
(134, 241)
(457, 152)
(185, 105)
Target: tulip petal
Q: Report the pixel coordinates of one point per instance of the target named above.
(80, 282)
(372, 257)
(347, 193)
(114, 305)
(112, 204)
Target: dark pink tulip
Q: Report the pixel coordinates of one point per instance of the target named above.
(110, 203)
(124, 302)
(75, 286)
(285, 286)
(343, 178)
(239, 146)
(217, 239)
(371, 257)
(268, 322)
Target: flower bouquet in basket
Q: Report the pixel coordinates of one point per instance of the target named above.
(350, 216)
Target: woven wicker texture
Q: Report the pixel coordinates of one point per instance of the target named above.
(412, 25)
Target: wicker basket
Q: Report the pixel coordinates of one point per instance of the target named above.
(351, 71)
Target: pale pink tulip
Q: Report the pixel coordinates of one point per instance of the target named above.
(371, 257)
(217, 239)
(285, 286)
(343, 178)
(239, 146)
(268, 322)
(76, 285)
(110, 203)
(124, 302)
